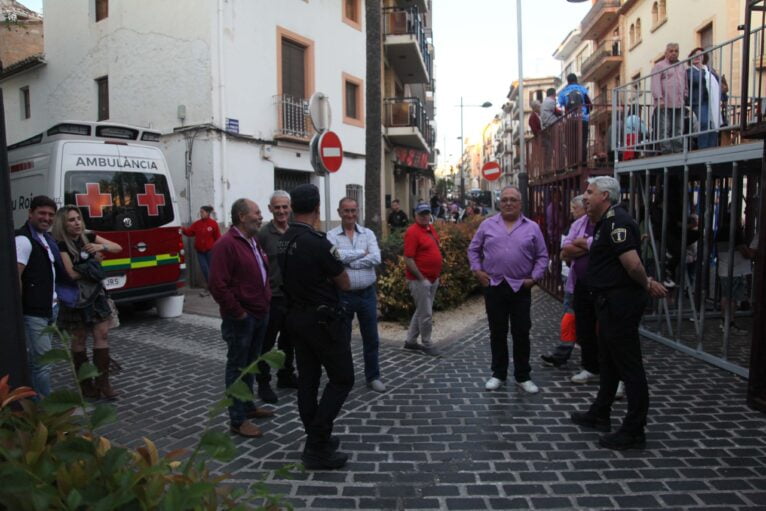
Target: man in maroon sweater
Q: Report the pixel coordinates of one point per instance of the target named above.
(239, 284)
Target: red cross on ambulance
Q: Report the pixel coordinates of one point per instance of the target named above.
(151, 200)
(94, 200)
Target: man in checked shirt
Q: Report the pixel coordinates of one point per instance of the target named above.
(360, 254)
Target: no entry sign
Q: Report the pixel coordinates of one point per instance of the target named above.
(491, 171)
(330, 151)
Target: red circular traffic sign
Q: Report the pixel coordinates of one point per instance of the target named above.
(330, 151)
(491, 171)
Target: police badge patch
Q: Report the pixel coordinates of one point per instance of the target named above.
(619, 235)
(335, 253)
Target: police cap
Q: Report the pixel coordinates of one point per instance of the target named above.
(304, 198)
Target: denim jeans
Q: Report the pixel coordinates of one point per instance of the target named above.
(364, 303)
(243, 338)
(39, 343)
(204, 263)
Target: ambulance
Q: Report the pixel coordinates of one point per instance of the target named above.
(118, 177)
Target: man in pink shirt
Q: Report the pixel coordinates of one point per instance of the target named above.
(669, 90)
(508, 257)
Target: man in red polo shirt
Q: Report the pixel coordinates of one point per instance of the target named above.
(423, 258)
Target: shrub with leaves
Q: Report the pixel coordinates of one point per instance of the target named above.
(456, 282)
(52, 458)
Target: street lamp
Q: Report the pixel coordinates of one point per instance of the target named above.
(486, 104)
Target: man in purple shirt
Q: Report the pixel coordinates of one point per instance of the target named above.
(508, 256)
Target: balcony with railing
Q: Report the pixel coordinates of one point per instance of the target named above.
(599, 19)
(648, 126)
(406, 45)
(604, 62)
(602, 108)
(293, 121)
(567, 146)
(407, 123)
(422, 5)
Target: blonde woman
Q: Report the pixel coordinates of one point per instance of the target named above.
(81, 253)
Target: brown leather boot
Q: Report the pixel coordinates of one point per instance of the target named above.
(101, 360)
(86, 386)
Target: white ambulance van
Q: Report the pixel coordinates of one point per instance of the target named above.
(119, 178)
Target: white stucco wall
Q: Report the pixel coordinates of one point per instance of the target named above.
(159, 55)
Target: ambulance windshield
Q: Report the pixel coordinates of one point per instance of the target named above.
(119, 201)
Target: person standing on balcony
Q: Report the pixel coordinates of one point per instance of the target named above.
(508, 257)
(669, 90)
(575, 101)
(704, 98)
(535, 124)
(549, 114)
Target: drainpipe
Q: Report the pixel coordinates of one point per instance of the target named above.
(221, 112)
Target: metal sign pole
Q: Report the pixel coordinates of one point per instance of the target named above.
(327, 209)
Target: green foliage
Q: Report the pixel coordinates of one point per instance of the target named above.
(456, 282)
(51, 457)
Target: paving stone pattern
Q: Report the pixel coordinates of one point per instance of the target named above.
(437, 440)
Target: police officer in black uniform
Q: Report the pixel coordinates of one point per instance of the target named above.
(619, 285)
(312, 275)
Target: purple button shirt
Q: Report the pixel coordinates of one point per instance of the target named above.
(579, 228)
(510, 256)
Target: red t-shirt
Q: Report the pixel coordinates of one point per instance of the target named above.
(421, 244)
(205, 232)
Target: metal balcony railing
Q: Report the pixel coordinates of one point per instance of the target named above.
(293, 117)
(649, 119)
(408, 20)
(606, 48)
(596, 12)
(408, 112)
(568, 144)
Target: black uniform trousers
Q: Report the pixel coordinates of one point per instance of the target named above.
(318, 346)
(619, 312)
(504, 304)
(276, 327)
(584, 306)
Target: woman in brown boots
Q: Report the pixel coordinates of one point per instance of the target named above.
(82, 252)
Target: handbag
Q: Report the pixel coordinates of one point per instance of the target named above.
(68, 293)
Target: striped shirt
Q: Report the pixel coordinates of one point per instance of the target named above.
(360, 254)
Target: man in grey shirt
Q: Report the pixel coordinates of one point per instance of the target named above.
(549, 114)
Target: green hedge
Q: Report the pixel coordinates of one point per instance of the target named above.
(456, 281)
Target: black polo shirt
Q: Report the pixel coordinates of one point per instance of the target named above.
(309, 262)
(615, 234)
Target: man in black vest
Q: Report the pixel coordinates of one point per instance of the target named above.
(39, 262)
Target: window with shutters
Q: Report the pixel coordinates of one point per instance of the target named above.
(102, 9)
(352, 13)
(26, 108)
(102, 87)
(353, 106)
(295, 75)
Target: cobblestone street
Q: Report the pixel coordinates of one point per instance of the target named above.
(437, 440)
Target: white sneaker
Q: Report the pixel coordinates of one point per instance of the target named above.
(528, 386)
(377, 386)
(585, 377)
(494, 383)
(620, 391)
